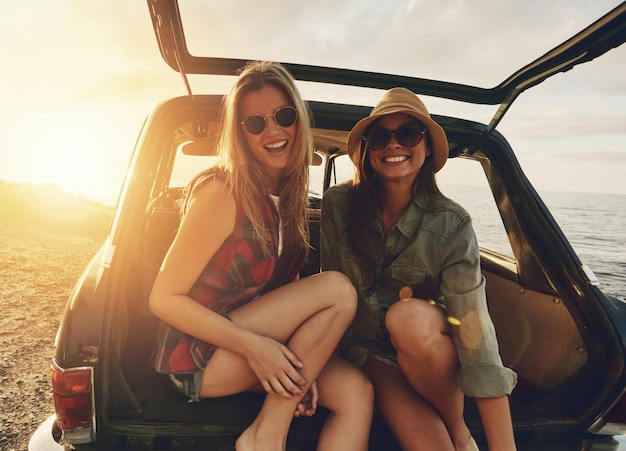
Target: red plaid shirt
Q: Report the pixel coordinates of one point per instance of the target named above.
(237, 273)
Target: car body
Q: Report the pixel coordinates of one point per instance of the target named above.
(557, 329)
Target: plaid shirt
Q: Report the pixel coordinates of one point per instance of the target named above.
(237, 273)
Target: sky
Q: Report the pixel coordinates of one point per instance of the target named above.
(80, 76)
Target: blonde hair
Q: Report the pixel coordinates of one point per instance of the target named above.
(245, 173)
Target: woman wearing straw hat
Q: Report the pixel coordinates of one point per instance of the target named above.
(399, 239)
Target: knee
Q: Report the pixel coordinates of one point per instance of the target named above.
(413, 325)
(342, 293)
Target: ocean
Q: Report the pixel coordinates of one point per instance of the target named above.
(594, 224)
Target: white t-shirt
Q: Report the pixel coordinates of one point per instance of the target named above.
(276, 200)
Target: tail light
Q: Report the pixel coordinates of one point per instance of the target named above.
(73, 394)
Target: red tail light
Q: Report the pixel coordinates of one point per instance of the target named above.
(74, 403)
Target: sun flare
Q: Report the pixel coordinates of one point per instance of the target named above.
(61, 147)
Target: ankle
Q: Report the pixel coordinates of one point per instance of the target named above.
(262, 436)
(466, 443)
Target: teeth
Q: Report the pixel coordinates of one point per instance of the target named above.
(397, 159)
(276, 145)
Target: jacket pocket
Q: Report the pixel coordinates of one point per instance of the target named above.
(407, 274)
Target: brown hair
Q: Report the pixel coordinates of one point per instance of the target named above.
(365, 204)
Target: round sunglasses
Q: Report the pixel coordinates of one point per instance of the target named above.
(285, 116)
(407, 135)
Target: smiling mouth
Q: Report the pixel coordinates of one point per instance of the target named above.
(396, 159)
(277, 146)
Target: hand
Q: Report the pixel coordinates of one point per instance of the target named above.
(308, 404)
(277, 368)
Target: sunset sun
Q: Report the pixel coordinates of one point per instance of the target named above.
(64, 148)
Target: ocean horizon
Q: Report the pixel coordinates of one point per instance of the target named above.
(593, 223)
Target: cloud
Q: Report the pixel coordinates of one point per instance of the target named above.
(541, 123)
(72, 52)
(479, 42)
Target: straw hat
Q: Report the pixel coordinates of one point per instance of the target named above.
(401, 100)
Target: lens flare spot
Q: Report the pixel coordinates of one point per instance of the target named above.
(405, 293)
(432, 302)
(454, 321)
(471, 332)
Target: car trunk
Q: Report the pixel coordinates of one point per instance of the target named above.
(563, 350)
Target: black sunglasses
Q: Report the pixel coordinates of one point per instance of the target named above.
(285, 116)
(407, 135)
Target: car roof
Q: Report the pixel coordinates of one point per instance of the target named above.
(600, 36)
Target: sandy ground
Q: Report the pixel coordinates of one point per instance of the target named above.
(38, 270)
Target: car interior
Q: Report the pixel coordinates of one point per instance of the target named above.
(528, 309)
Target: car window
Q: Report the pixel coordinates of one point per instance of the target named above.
(316, 177)
(186, 166)
(463, 181)
(342, 169)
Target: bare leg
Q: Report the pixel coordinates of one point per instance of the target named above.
(348, 393)
(427, 357)
(310, 315)
(413, 421)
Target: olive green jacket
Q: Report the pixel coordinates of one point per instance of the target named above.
(433, 251)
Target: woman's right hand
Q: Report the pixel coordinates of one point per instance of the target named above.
(277, 368)
(308, 404)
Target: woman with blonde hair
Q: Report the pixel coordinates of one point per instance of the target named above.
(234, 315)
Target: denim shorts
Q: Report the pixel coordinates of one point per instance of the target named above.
(188, 384)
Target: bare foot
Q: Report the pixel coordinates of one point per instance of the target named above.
(253, 440)
(468, 446)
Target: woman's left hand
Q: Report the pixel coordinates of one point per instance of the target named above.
(308, 404)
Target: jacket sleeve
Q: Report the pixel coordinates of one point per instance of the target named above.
(463, 289)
